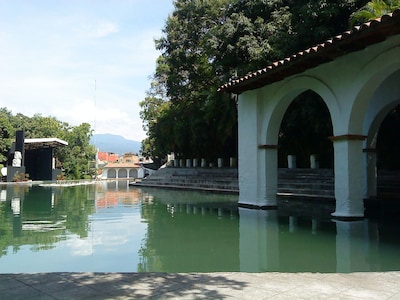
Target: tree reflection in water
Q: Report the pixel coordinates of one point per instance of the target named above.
(111, 227)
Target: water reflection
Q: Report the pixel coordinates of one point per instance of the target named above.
(272, 242)
(190, 232)
(112, 227)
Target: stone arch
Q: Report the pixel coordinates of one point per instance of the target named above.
(112, 173)
(372, 76)
(133, 173)
(313, 136)
(388, 142)
(385, 98)
(286, 94)
(122, 173)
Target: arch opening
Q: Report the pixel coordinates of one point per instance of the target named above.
(388, 142)
(133, 173)
(112, 173)
(387, 156)
(122, 173)
(305, 130)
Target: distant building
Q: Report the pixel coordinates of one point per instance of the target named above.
(33, 157)
(129, 166)
(107, 157)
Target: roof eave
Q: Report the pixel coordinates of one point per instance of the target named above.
(350, 41)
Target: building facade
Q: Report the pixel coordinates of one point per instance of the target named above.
(357, 75)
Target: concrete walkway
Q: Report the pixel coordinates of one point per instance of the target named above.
(385, 285)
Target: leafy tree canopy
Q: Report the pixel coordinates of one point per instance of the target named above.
(74, 159)
(372, 10)
(207, 42)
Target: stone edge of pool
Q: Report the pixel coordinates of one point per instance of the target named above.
(219, 285)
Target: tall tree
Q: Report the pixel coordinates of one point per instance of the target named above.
(207, 42)
(188, 68)
(7, 133)
(76, 158)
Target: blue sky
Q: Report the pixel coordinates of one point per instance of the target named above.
(80, 60)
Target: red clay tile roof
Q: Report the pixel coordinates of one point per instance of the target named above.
(357, 39)
(122, 165)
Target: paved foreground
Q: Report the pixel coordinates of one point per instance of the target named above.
(200, 286)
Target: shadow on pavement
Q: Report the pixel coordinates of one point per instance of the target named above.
(121, 285)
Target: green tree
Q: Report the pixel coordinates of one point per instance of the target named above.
(76, 158)
(152, 108)
(372, 10)
(205, 43)
(186, 72)
(6, 134)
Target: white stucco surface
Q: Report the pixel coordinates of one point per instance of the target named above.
(359, 90)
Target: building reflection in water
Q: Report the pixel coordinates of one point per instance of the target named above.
(112, 193)
(259, 240)
(269, 242)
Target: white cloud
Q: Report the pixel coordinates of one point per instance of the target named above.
(104, 29)
(51, 55)
(98, 29)
(80, 247)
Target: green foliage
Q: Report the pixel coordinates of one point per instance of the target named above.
(74, 159)
(77, 156)
(7, 133)
(207, 42)
(372, 10)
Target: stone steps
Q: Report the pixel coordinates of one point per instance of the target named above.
(291, 182)
(306, 182)
(389, 184)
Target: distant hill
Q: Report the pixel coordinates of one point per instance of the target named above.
(114, 143)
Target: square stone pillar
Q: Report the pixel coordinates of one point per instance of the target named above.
(257, 163)
(349, 176)
(268, 175)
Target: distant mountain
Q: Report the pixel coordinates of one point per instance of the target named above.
(114, 143)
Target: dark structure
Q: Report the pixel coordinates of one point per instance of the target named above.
(34, 157)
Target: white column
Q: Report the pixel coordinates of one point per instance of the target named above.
(195, 162)
(349, 176)
(247, 148)
(268, 175)
(232, 162)
(314, 163)
(291, 161)
(203, 163)
(188, 163)
(220, 162)
(257, 164)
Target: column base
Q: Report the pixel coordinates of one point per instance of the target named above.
(347, 217)
(256, 206)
